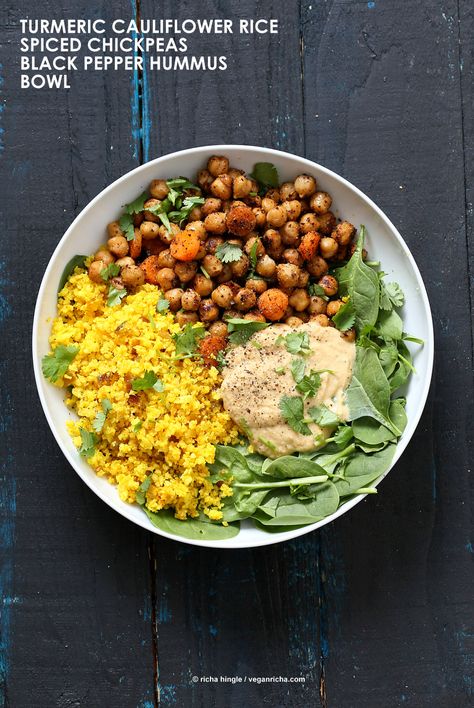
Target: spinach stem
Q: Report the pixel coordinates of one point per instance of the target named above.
(283, 483)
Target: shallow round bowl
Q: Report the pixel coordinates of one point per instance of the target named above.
(383, 242)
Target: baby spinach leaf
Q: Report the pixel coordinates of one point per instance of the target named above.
(292, 411)
(363, 469)
(280, 508)
(389, 325)
(191, 528)
(323, 416)
(289, 466)
(69, 268)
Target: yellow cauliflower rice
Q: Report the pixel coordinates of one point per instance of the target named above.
(169, 434)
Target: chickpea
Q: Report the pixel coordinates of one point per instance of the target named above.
(320, 202)
(317, 305)
(329, 284)
(242, 186)
(292, 255)
(197, 227)
(127, 261)
(333, 307)
(304, 206)
(117, 282)
(166, 260)
(194, 215)
(190, 300)
(322, 320)
(149, 215)
(208, 311)
(217, 165)
(287, 275)
(293, 209)
(273, 193)
(309, 222)
(288, 191)
(234, 172)
(254, 315)
(113, 229)
(167, 236)
(226, 275)
(266, 267)
(159, 189)
(343, 233)
(174, 298)
(257, 285)
(118, 245)
(328, 247)
(271, 240)
(149, 229)
(105, 256)
(236, 203)
(277, 216)
(317, 267)
(260, 216)
(215, 222)
(222, 296)
(221, 187)
(245, 299)
(202, 285)
(293, 321)
(299, 299)
(268, 204)
(218, 329)
(212, 265)
(201, 253)
(166, 279)
(132, 276)
(184, 318)
(250, 244)
(327, 222)
(95, 269)
(349, 335)
(204, 180)
(210, 206)
(290, 233)
(231, 314)
(305, 185)
(186, 270)
(240, 267)
(212, 244)
(240, 220)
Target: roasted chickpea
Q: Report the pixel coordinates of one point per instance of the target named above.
(167, 236)
(333, 307)
(222, 296)
(309, 222)
(273, 304)
(290, 233)
(166, 260)
(260, 216)
(320, 202)
(194, 215)
(202, 285)
(149, 215)
(242, 186)
(132, 276)
(212, 265)
(208, 311)
(349, 335)
(322, 320)
(299, 299)
(305, 185)
(118, 245)
(254, 315)
(245, 299)
(258, 285)
(149, 230)
(293, 209)
(327, 222)
(221, 187)
(105, 256)
(184, 318)
(166, 279)
(277, 216)
(186, 270)
(303, 279)
(197, 227)
(190, 300)
(250, 244)
(273, 193)
(317, 267)
(343, 233)
(268, 204)
(294, 321)
(204, 180)
(240, 220)
(117, 282)
(212, 244)
(329, 284)
(266, 267)
(287, 275)
(95, 270)
(126, 261)
(159, 189)
(215, 222)
(210, 206)
(217, 165)
(240, 267)
(317, 305)
(288, 191)
(271, 240)
(174, 298)
(226, 274)
(234, 172)
(328, 247)
(113, 229)
(218, 329)
(201, 253)
(292, 255)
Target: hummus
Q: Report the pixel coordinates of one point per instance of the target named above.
(258, 374)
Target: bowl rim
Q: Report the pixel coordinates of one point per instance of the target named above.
(267, 539)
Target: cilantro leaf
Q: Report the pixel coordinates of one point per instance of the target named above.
(343, 435)
(228, 252)
(344, 318)
(184, 211)
(115, 296)
(149, 380)
(253, 257)
(181, 183)
(240, 330)
(265, 174)
(109, 271)
(186, 341)
(292, 411)
(140, 494)
(55, 365)
(88, 443)
(163, 304)
(220, 360)
(127, 226)
(315, 289)
(137, 205)
(298, 367)
(309, 385)
(99, 420)
(137, 426)
(395, 294)
(323, 416)
(295, 342)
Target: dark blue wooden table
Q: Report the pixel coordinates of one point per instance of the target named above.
(373, 611)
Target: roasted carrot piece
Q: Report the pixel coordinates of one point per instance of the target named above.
(185, 246)
(210, 346)
(151, 266)
(273, 304)
(309, 245)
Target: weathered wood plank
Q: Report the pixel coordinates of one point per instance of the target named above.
(76, 614)
(384, 110)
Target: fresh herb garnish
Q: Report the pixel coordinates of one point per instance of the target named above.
(149, 380)
(101, 416)
(292, 411)
(310, 384)
(204, 272)
(391, 295)
(298, 367)
(163, 304)
(115, 296)
(240, 331)
(323, 416)
(180, 215)
(127, 226)
(137, 426)
(186, 341)
(55, 365)
(75, 262)
(109, 271)
(220, 359)
(316, 289)
(295, 342)
(280, 370)
(265, 174)
(228, 252)
(344, 318)
(88, 443)
(140, 494)
(253, 257)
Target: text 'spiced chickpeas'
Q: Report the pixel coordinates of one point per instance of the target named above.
(227, 246)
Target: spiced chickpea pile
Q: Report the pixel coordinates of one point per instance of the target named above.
(280, 245)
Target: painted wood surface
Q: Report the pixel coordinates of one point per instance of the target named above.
(374, 610)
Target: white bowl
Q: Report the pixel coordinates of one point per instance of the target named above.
(384, 243)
